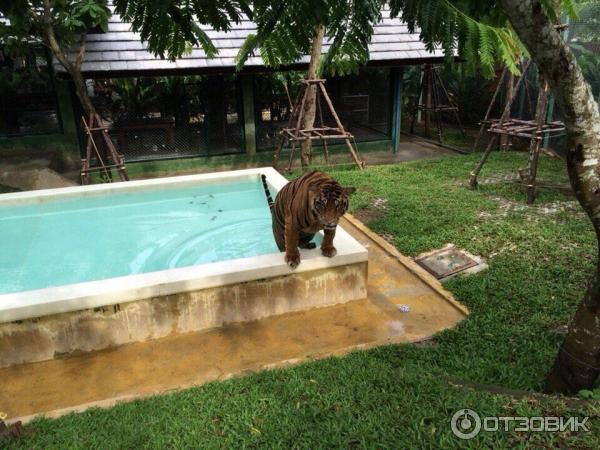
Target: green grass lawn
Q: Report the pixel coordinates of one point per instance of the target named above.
(402, 396)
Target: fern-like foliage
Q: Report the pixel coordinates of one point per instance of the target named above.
(285, 30)
(475, 31)
(553, 8)
(478, 33)
(171, 26)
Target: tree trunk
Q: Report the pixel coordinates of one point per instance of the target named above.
(310, 107)
(72, 68)
(578, 362)
(81, 91)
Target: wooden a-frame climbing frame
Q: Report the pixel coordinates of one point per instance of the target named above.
(105, 158)
(430, 91)
(293, 134)
(535, 130)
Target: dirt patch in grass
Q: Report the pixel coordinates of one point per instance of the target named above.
(366, 215)
(532, 212)
(376, 210)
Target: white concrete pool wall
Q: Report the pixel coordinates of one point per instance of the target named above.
(213, 288)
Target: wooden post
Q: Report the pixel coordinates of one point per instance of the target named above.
(291, 120)
(536, 141)
(489, 109)
(427, 79)
(322, 125)
(106, 157)
(549, 117)
(505, 115)
(510, 88)
(454, 106)
(436, 103)
(360, 163)
(296, 134)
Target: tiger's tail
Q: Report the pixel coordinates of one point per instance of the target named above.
(267, 192)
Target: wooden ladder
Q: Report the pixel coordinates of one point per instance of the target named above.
(430, 90)
(106, 158)
(293, 133)
(509, 127)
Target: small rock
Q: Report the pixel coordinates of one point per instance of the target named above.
(380, 203)
(30, 179)
(560, 330)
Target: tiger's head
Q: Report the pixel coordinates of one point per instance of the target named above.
(329, 202)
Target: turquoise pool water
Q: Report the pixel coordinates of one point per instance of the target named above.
(109, 235)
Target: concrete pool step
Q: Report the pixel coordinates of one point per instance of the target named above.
(136, 370)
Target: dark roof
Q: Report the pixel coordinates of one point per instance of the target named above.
(120, 50)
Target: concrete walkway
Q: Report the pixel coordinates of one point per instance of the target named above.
(411, 149)
(137, 370)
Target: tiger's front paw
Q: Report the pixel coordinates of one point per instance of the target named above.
(293, 260)
(330, 252)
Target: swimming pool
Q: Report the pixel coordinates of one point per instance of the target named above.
(131, 261)
(72, 240)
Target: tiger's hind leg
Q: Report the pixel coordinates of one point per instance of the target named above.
(305, 241)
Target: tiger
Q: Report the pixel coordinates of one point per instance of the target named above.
(304, 206)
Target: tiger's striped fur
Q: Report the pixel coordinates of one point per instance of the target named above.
(304, 206)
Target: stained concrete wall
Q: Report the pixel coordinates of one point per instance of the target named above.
(89, 330)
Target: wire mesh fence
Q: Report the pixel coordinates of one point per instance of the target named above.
(473, 93)
(171, 117)
(362, 103)
(583, 37)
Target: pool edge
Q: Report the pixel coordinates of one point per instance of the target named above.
(94, 329)
(101, 293)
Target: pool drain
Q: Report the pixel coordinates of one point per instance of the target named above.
(448, 261)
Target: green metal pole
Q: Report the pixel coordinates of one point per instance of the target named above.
(398, 77)
(420, 97)
(248, 107)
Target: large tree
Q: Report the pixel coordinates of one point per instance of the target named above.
(577, 365)
(289, 29)
(60, 25)
(477, 31)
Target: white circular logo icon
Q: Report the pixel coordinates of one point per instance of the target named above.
(466, 424)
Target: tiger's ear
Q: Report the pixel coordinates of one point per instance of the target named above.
(349, 190)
